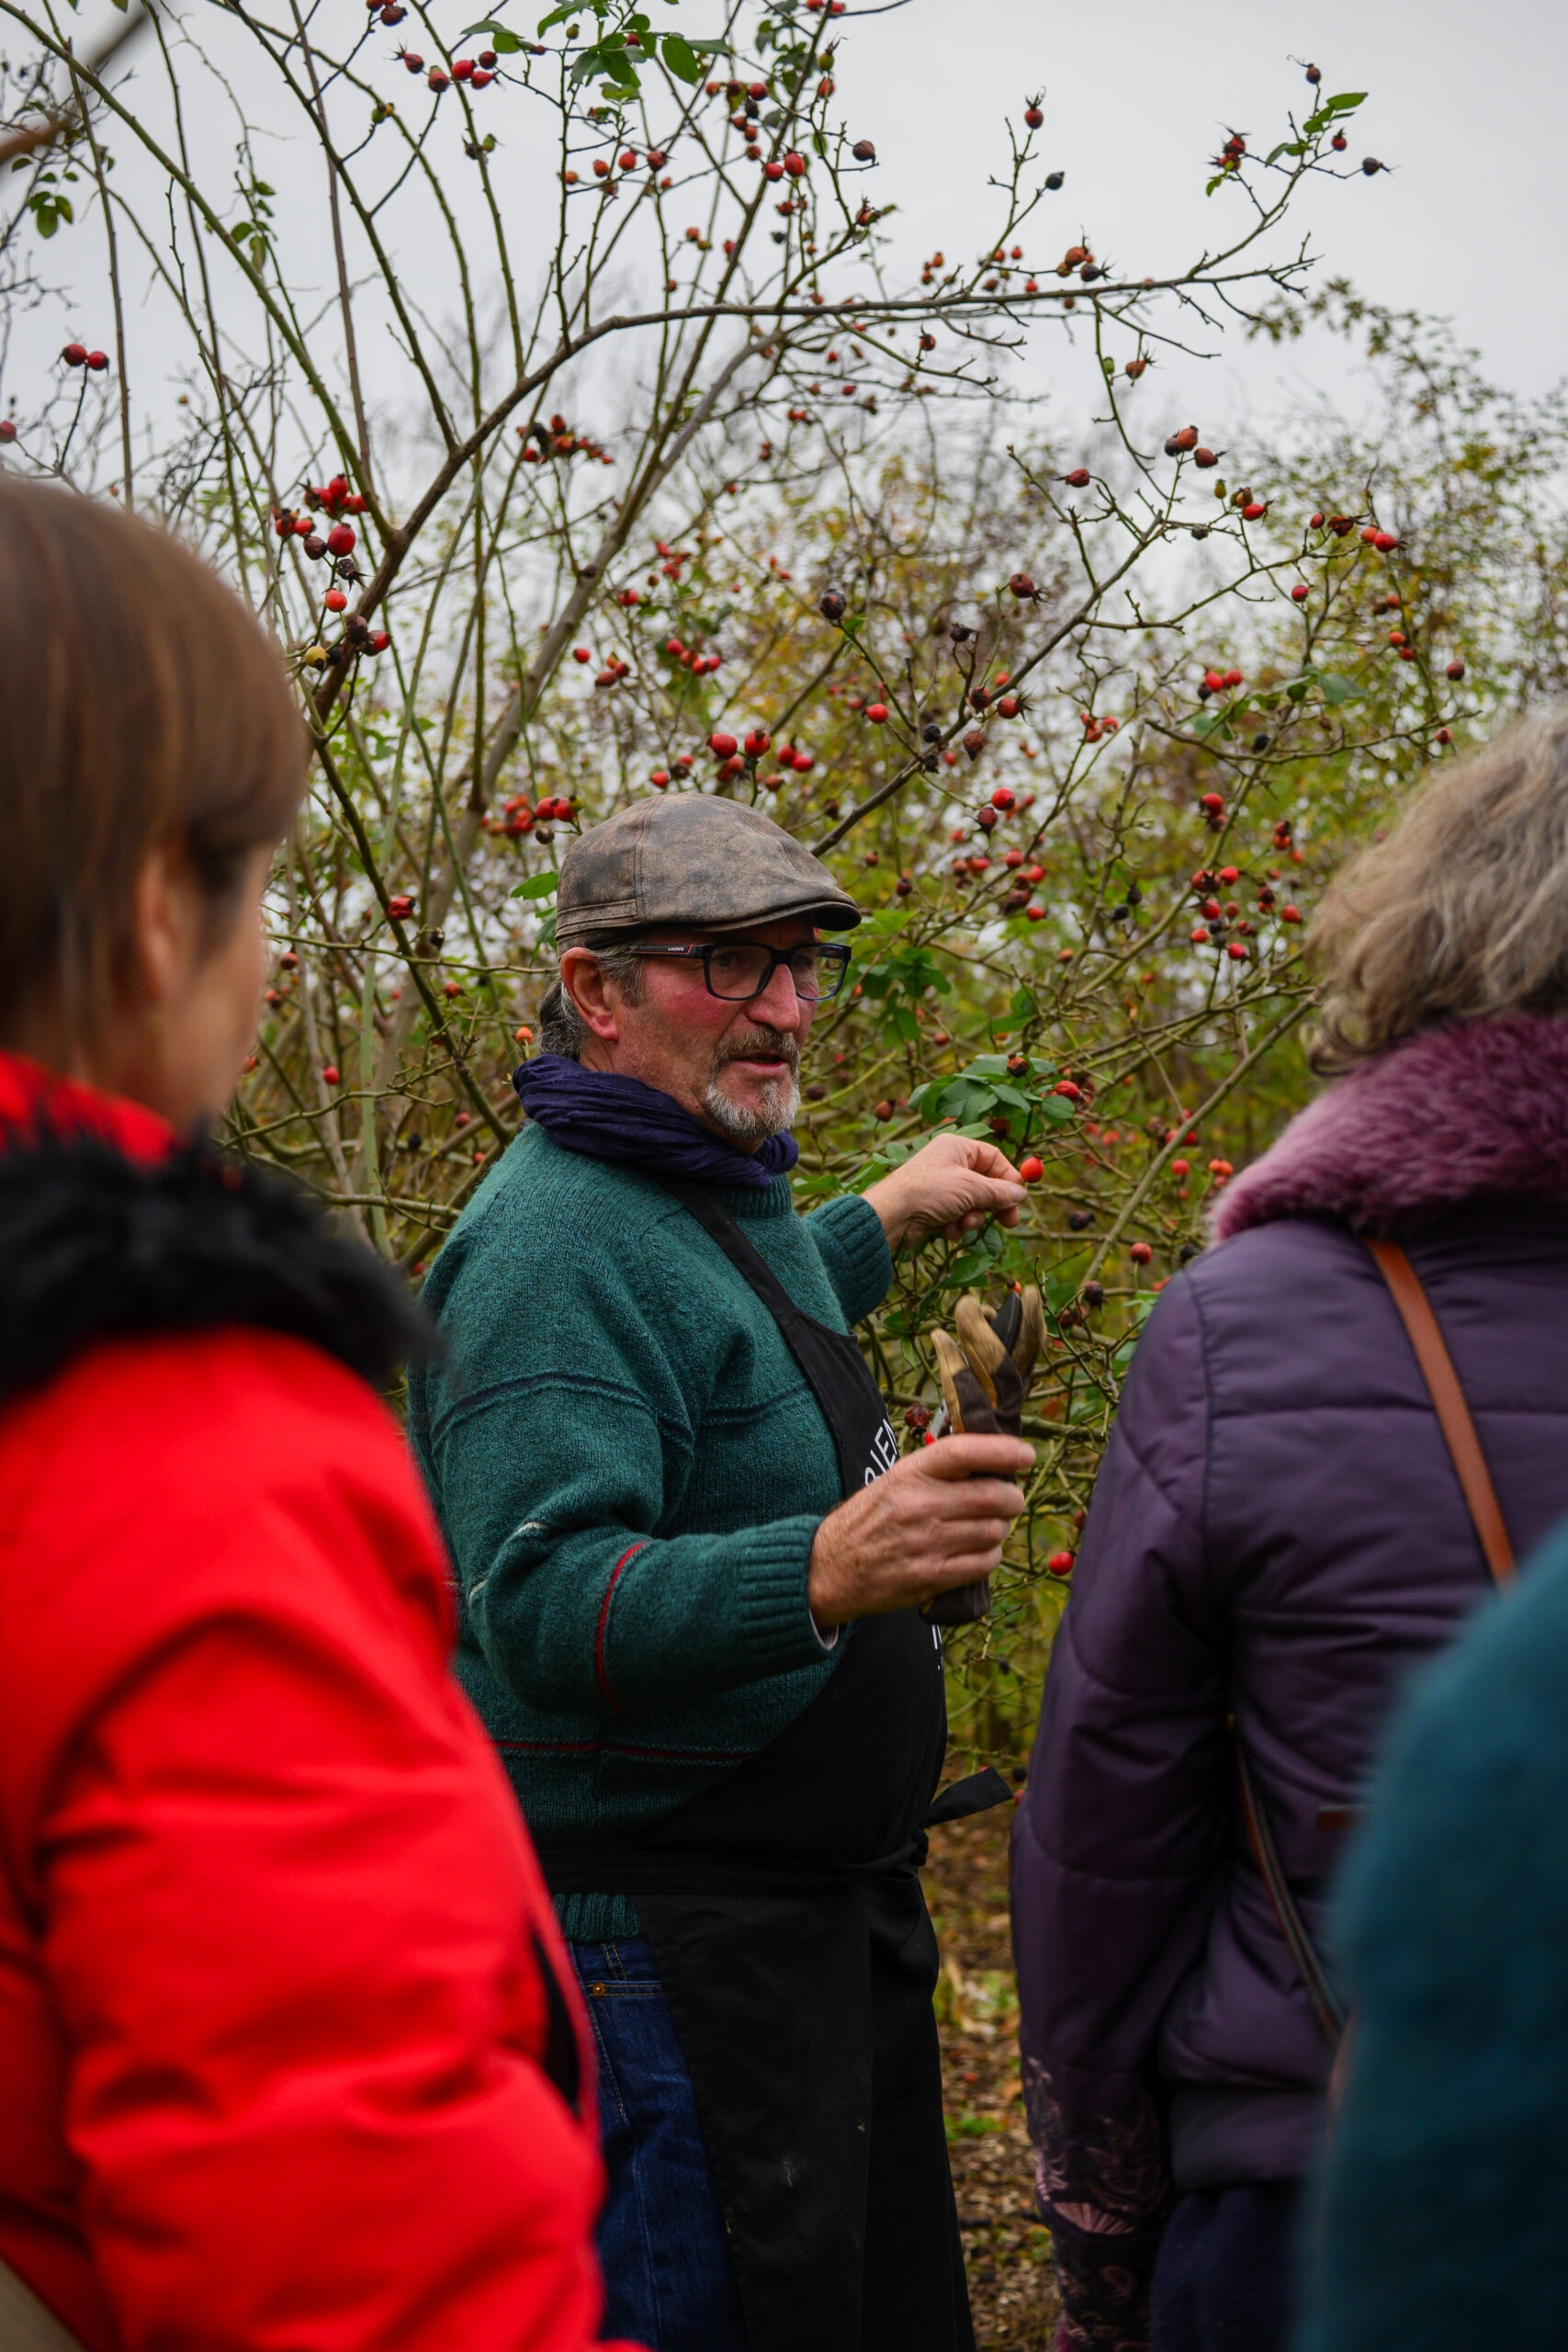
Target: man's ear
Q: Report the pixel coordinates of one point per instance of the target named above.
(582, 977)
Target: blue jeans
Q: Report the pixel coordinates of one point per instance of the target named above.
(668, 2280)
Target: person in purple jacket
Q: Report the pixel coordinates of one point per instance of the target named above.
(1278, 1536)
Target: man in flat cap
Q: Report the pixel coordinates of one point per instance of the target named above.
(691, 1569)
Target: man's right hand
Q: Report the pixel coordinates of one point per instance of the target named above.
(939, 1518)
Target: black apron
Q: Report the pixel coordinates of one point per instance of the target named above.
(786, 1916)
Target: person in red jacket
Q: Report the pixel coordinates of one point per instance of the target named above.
(290, 2055)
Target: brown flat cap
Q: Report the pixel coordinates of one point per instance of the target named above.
(692, 859)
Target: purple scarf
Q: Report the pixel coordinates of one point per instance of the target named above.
(608, 1116)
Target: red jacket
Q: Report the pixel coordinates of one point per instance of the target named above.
(286, 2054)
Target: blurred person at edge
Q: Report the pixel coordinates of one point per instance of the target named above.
(289, 2049)
(1279, 1535)
(692, 1565)
(1443, 2217)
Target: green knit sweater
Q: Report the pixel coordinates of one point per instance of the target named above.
(629, 1470)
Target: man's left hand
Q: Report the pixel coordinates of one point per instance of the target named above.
(950, 1186)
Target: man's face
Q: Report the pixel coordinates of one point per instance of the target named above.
(733, 1066)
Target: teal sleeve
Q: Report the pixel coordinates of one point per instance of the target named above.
(551, 1482)
(1442, 2192)
(854, 1247)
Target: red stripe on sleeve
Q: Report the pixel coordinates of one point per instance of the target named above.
(604, 1620)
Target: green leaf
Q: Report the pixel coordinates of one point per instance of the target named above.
(1058, 1109)
(537, 885)
(1011, 1096)
(972, 1099)
(1338, 690)
(1286, 147)
(978, 1258)
(1345, 103)
(1024, 1007)
(681, 58)
(611, 58)
(987, 1066)
(504, 42)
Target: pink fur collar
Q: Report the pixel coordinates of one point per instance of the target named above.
(1472, 1110)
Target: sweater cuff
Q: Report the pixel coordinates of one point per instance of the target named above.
(774, 1625)
(854, 1247)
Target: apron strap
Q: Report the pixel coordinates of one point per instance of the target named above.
(704, 1869)
(650, 1869)
(697, 1199)
(976, 1793)
(829, 1362)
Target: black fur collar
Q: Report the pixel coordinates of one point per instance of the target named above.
(96, 1246)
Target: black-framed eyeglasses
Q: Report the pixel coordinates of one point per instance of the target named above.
(740, 971)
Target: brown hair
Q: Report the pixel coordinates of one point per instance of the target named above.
(141, 705)
(1461, 914)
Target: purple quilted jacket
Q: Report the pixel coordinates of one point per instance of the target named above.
(1276, 1534)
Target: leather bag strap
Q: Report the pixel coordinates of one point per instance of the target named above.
(1436, 1368)
(1449, 1402)
(1292, 1926)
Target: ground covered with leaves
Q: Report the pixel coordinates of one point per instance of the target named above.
(1009, 2249)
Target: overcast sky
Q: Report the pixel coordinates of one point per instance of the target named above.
(1465, 104)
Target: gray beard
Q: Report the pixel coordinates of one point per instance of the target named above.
(780, 1103)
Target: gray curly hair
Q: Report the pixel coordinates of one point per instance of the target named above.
(1461, 914)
